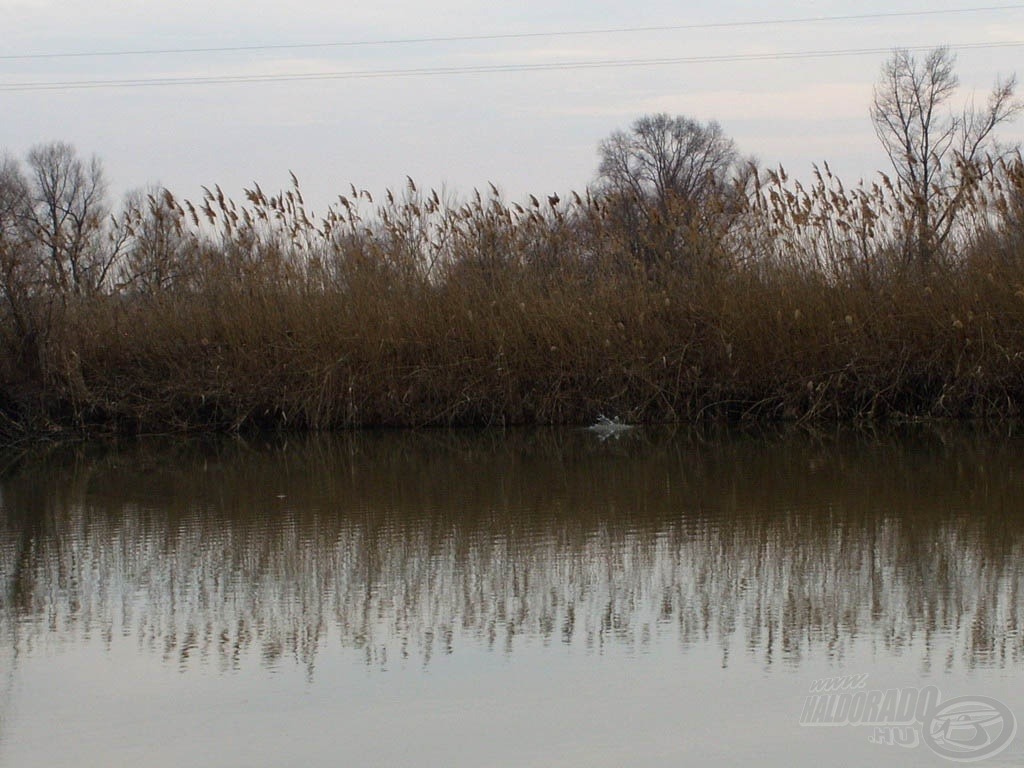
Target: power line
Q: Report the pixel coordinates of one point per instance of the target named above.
(476, 69)
(515, 35)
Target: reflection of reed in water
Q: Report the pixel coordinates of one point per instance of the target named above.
(400, 548)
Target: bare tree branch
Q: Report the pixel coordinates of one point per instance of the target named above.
(937, 154)
(66, 212)
(665, 176)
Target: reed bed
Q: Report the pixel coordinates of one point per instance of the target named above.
(783, 302)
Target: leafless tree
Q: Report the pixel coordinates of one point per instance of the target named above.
(17, 265)
(938, 154)
(158, 249)
(664, 158)
(666, 178)
(13, 193)
(66, 215)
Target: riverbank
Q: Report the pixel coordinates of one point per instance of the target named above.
(224, 317)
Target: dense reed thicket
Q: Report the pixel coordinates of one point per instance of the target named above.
(785, 301)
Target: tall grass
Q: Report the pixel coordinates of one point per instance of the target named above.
(801, 303)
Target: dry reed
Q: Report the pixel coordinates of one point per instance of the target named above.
(799, 304)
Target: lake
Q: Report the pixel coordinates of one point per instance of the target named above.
(652, 597)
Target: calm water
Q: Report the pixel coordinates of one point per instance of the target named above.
(533, 599)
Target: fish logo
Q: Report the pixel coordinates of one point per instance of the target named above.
(969, 728)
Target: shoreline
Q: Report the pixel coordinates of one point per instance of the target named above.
(808, 306)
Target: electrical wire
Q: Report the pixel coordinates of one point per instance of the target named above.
(517, 35)
(475, 69)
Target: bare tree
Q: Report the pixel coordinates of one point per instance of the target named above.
(158, 250)
(22, 319)
(666, 178)
(66, 213)
(938, 154)
(17, 265)
(664, 158)
(13, 194)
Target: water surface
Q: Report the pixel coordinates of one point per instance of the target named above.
(504, 599)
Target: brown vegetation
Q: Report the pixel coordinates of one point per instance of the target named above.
(780, 300)
(222, 315)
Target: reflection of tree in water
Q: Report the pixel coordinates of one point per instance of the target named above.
(412, 546)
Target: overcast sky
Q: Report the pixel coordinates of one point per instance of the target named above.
(526, 131)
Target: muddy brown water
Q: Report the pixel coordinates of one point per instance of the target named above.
(541, 598)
